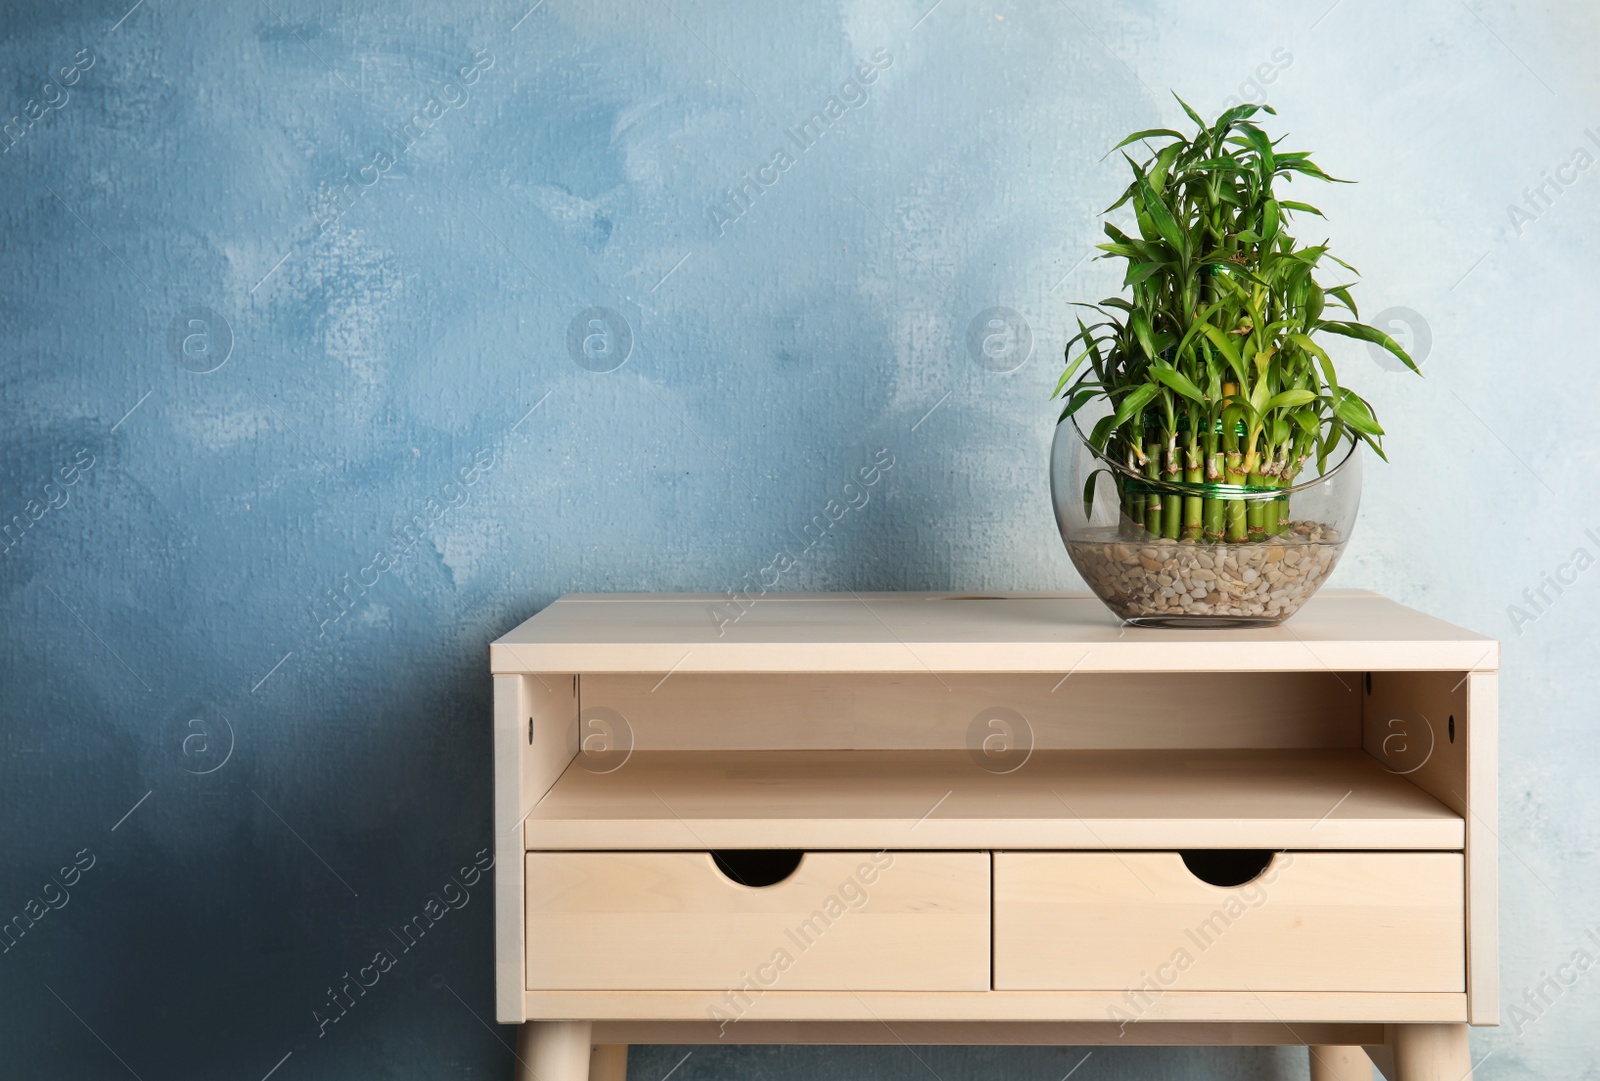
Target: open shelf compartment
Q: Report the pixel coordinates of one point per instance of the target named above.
(945, 799)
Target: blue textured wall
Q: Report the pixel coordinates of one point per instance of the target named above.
(303, 405)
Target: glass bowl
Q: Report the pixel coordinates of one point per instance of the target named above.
(1194, 572)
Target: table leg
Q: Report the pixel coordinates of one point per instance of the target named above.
(1431, 1053)
(608, 1062)
(553, 1051)
(1340, 1064)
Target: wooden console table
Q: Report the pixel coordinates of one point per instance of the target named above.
(928, 818)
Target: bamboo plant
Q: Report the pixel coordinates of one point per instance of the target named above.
(1211, 363)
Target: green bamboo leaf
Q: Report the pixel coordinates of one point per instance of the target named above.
(1314, 301)
(1200, 321)
(1229, 351)
(1363, 332)
(1177, 381)
(1307, 208)
(1304, 342)
(1259, 397)
(1080, 398)
(1239, 112)
(1346, 265)
(1163, 167)
(1134, 403)
(1147, 133)
(1072, 370)
(1192, 114)
(1269, 220)
(1329, 376)
(1288, 399)
(1102, 432)
(1350, 408)
(1091, 352)
(1088, 492)
(1140, 324)
(1238, 275)
(1094, 351)
(1343, 293)
(1304, 165)
(1141, 215)
(1127, 194)
(1330, 439)
(1138, 272)
(1263, 147)
(1230, 281)
(1217, 165)
(1165, 224)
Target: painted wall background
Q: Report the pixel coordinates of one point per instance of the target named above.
(230, 380)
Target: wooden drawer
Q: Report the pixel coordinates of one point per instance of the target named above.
(883, 921)
(1312, 921)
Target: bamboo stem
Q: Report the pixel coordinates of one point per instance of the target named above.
(1213, 507)
(1256, 509)
(1171, 503)
(1233, 473)
(1234, 528)
(1132, 501)
(1193, 505)
(1152, 499)
(1275, 521)
(1293, 463)
(1233, 512)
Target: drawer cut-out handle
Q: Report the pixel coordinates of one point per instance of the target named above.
(757, 867)
(1227, 867)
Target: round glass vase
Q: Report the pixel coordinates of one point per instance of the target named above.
(1172, 553)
